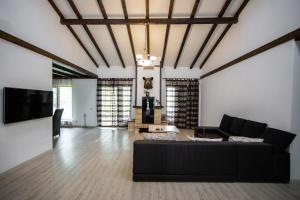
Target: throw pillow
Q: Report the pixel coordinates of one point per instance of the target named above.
(205, 139)
(278, 138)
(244, 139)
(253, 129)
(159, 136)
(237, 126)
(226, 123)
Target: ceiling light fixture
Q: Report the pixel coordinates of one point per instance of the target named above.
(145, 59)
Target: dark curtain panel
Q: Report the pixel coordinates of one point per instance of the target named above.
(182, 102)
(113, 101)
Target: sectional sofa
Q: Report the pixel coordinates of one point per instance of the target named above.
(224, 161)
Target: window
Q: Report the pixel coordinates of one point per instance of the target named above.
(114, 102)
(62, 98)
(55, 103)
(65, 102)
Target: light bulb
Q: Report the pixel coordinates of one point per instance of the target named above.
(152, 58)
(139, 56)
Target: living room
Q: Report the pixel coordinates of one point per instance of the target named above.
(139, 99)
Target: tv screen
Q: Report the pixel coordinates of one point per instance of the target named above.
(24, 104)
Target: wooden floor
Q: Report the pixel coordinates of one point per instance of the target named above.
(97, 164)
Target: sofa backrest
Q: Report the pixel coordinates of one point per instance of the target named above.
(278, 138)
(237, 126)
(241, 127)
(225, 123)
(184, 157)
(253, 129)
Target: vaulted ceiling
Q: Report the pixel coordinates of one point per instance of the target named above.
(200, 38)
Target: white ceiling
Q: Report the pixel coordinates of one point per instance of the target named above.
(157, 8)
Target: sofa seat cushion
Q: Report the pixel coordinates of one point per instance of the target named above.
(278, 138)
(226, 123)
(253, 129)
(237, 126)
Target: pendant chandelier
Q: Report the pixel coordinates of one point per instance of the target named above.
(145, 59)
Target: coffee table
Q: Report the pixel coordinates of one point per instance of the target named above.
(163, 129)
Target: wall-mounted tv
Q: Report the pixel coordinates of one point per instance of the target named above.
(24, 104)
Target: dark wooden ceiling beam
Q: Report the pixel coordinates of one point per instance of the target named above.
(237, 14)
(143, 21)
(59, 13)
(187, 31)
(26, 45)
(87, 30)
(212, 30)
(56, 66)
(287, 37)
(54, 71)
(57, 76)
(129, 31)
(147, 27)
(171, 6)
(112, 35)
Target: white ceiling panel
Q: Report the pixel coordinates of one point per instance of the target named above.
(113, 8)
(233, 7)
(157, 38)
(65, 8)
(88, 8)
(136, 8)
(183, 8)
(138, 35)
(211, 42)
(159, 8)
(195, 39)
(88, 44)
(123, 41)
(106, 44)
(175, 37)
(210, 8)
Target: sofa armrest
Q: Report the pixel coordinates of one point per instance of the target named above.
(205, 129)
(255, 162)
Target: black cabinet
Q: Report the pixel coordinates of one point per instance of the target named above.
(148, 110)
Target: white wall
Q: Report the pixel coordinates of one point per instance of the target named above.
(295, 147)
(22, 141)
(147, 73)
(36, 22)
(259, 88)
(84, 102)
(260, 22)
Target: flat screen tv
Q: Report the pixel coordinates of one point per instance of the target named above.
(24, 104)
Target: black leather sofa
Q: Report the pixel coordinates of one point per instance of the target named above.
(214, 161)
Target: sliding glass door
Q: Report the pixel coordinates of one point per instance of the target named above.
(113, 102)
(62, 98)
(182, 102)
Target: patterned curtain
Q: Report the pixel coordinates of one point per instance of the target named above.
(182, 102)
(113, 101)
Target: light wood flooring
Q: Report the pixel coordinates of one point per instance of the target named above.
(97, 164)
